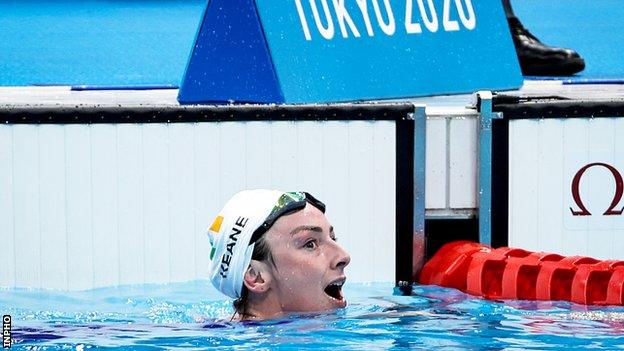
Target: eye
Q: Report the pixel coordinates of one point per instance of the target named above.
(310, 244)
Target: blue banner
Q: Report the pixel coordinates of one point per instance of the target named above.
(314, 51)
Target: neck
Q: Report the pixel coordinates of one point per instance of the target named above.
(262, 306)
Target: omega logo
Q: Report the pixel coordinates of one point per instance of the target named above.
(619, 189)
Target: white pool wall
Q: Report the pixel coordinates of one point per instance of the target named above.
(544, 157)
(85, 206)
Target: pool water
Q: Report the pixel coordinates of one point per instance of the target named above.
(194, 316)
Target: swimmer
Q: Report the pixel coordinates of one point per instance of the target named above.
(276, 253)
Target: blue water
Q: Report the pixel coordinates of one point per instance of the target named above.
(192, 315)
(591, 27)
(148, 42)
(96, 42)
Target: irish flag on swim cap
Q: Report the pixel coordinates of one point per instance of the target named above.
(230, 234)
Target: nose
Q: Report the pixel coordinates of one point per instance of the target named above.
(341, 258)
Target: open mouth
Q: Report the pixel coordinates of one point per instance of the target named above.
(334, 290)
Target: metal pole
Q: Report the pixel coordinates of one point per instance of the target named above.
(485, 166)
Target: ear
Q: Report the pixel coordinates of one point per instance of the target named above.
(257, 277)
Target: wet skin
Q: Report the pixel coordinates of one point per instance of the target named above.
(307, 271)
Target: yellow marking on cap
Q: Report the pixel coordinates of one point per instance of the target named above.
(216, 225)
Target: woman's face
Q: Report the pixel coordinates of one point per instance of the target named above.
(309, 264)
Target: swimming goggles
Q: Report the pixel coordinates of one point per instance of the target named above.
(288, 203)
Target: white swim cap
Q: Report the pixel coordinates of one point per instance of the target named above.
(243, 219)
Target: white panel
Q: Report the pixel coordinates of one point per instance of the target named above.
(617, 237)
(52, 206)
(360, 209)
(80, 273)
(104, 188)
(310, 161)
(232, 159)
(181, 191)
(334, 147)
(284, 156)
(156, 221)
(130, 203)
(576, 144)
(546, 155)
(130, 194)
(206, 195)
(549, 192)
(463, 163)
(435, 177)
(523, 184)
(7, 273)
(384, 189)
(258, 153)
(602, 187)
(26, 206)
(590, 141)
